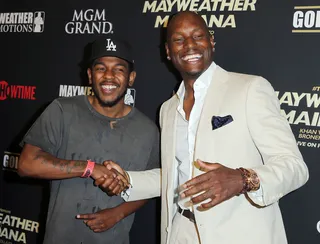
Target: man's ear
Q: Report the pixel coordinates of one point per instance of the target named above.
(89, 73)
(167, 51)
(212, 41)
(132, 78)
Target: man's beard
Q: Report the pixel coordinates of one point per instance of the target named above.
(194, 74)
(108, 103)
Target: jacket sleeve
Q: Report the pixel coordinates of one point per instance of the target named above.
(145, 184)
(283, 169)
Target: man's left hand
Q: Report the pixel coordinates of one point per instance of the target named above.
(218, 184)
(102, 220)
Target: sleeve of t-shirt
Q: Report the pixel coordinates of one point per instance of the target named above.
(46, 132)
(154, 159)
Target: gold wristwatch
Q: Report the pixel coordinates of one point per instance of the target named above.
(251, 181)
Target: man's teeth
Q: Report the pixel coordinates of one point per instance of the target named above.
(192, 57)
(109, 87)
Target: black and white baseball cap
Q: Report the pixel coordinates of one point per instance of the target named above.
(111, 47)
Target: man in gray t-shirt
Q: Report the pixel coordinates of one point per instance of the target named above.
(71, 140)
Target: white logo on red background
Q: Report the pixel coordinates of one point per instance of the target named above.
(16, 91)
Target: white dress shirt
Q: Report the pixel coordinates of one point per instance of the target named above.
(186, 130)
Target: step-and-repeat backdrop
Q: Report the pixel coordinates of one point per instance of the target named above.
(42, 48)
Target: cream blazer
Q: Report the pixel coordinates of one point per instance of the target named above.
(259, 137)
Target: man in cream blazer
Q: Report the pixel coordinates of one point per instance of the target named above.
(257, 138)
(248, 157)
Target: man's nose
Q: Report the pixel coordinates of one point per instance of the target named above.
(108, 74)
(189, 42)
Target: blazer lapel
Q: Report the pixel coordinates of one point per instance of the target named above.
(214, 97)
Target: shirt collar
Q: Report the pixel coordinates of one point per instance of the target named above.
(203, 81)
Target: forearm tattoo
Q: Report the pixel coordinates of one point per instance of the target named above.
(63, 165)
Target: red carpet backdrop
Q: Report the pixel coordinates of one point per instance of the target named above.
(43, 45)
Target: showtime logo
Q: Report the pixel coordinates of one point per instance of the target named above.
(16, 91)
(90, 21)
(22, 22)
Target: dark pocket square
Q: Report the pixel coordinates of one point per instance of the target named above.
(218, 121)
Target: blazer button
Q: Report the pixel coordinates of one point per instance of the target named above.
(167, 229)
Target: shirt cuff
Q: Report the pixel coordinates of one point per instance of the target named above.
(126, 193)
(257, 196)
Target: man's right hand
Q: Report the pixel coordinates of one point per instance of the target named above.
(111, 185)
(101, 171)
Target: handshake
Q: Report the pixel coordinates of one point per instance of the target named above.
(110, 178)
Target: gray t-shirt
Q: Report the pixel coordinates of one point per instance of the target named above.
(70, 128)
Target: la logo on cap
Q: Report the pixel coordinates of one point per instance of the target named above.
(110, 45)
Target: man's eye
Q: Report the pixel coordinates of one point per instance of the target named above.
(198, 37)
(119, 69)
(178, 40)
(99, 69)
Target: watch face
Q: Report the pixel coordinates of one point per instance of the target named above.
(255, 179)
(255, 182)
